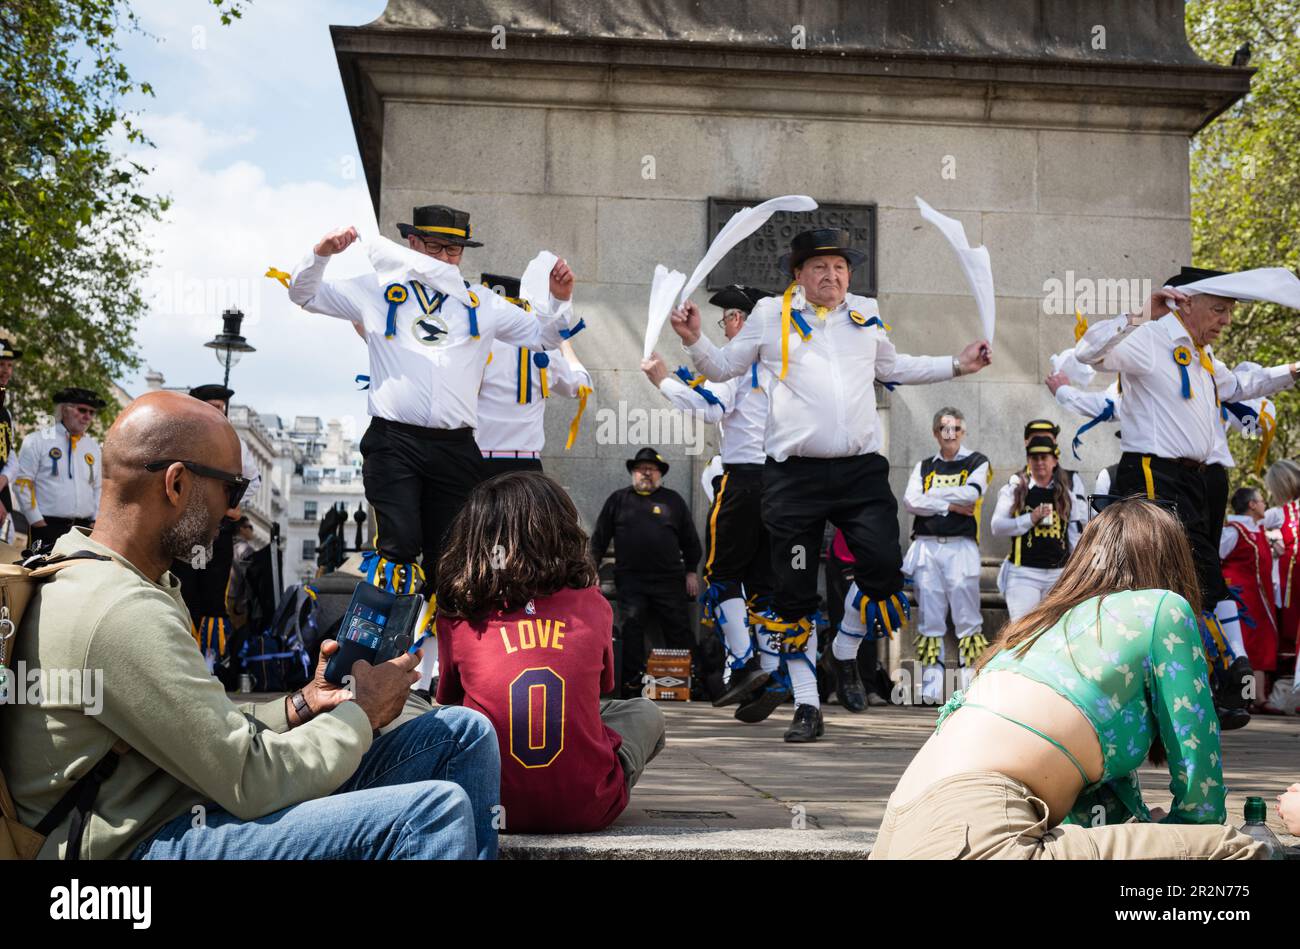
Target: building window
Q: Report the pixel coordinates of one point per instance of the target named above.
(309, 510)
(308, 549)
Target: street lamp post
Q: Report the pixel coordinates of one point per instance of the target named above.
(228, 344)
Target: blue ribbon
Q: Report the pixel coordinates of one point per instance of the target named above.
(473, 313)
(1240, 410)
(796, 316)
(363, 378)
(396, 295)
(570, 333)
(1105, 415)
(753, 376)
(685, 375)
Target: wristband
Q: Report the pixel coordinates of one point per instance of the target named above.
(305, 714)
(956, 367)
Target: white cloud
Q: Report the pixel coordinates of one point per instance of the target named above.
(227, 224)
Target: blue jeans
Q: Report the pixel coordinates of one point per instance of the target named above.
(426, 790)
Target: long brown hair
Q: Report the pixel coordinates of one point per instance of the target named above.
(1061, 490)
(516, 538)
(1133, 544)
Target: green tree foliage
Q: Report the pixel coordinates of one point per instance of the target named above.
(73, 210)
(1246, 183)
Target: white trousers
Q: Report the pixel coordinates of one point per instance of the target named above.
(946, 576)
(1025, 587)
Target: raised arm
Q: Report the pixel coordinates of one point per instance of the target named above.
(1117, 345)
(1250, 381)
(342, 299)
(565, 374)
(901, 369)
(711, 403)
(721, 363)
(551, 325)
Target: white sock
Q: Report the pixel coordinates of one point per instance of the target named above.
(768, 661)
(803, 680)
(1231, 625)
(735, 627)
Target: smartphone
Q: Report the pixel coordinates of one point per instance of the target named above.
(376, 627)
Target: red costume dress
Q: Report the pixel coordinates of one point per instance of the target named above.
(1248, 571)
(1289, 579)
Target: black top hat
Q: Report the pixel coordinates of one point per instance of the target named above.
(648, 454)
(507, 287)
(75, 395)
(1192, 274)
(1042, 445)
(440, 222)
(823, 240)
(212, 391)
(736, 297)
(1041, 426)
(7, 350)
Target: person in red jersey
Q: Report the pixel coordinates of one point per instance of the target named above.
(526, 637)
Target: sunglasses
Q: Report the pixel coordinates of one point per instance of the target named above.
(236, 485)
(1099, 502)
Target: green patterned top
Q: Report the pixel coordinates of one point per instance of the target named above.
(1138, 672)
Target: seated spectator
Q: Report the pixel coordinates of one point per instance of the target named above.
(526, 637)
(296, 778)
(1108, 669)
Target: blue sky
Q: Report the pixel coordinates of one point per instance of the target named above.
(255, 148)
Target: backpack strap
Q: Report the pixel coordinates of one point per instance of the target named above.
(43, 567)
(80, 800)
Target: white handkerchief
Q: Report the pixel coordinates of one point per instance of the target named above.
(743, 223)
(974, 263)
(535, 284)
(1270, 284)
(394, 263)
(1079, 374)
(663, 291)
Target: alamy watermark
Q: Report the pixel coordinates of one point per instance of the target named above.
(1103, 296)
(62, 688)
(627, 425)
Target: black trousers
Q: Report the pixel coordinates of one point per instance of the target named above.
(496, 466)
(800, 495)
(41, 539)
(737, 555)
(417, 479)
(1201, 495)
(652, 613)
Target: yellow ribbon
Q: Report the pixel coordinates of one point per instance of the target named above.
(278, 275)
(583, 392)
(1080, 325)
(1267, 429)
(785, 329)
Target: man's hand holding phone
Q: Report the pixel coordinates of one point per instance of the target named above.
(380, 690)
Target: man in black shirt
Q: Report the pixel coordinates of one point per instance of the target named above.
(656, 550)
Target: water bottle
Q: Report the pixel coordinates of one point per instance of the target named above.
(1256, 812)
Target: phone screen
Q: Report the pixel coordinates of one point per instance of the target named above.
(365, 628)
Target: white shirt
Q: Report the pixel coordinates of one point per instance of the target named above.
(1157, 419)
(741, 416)
(64, 486)
(1089, 404)
(505, 423)
(826, 405)
(924, 503)
(1004, 524)
(428, 374)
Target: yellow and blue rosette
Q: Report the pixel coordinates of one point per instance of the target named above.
(1183, 357)
(396, 295)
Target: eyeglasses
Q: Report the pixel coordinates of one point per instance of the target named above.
(737, 314)
(84, 409)
(1099, 502)
(450, 250)
(236, 485)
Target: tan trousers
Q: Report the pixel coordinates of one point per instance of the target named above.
(640, 723)
(984, 815)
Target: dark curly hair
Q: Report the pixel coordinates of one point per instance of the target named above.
(516, 538)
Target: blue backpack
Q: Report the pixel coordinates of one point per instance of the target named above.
(277, 659)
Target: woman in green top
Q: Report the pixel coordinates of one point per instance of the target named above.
(1039, 758)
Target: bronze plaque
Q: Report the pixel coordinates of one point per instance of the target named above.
(753, 262)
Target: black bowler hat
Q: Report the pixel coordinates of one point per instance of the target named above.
(212, 391)
(650, 455)
(1192, 274)
(824, 240)
(75, 395)
(437, 221)
(1042, 445)
(1041, 426)
(507, 287)
(736, 297)
(7, 350)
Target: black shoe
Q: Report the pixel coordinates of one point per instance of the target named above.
(849, 690)
(765, 703)
(744, 682)
(807, 724)
(1238, 682)
(1232, 718)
